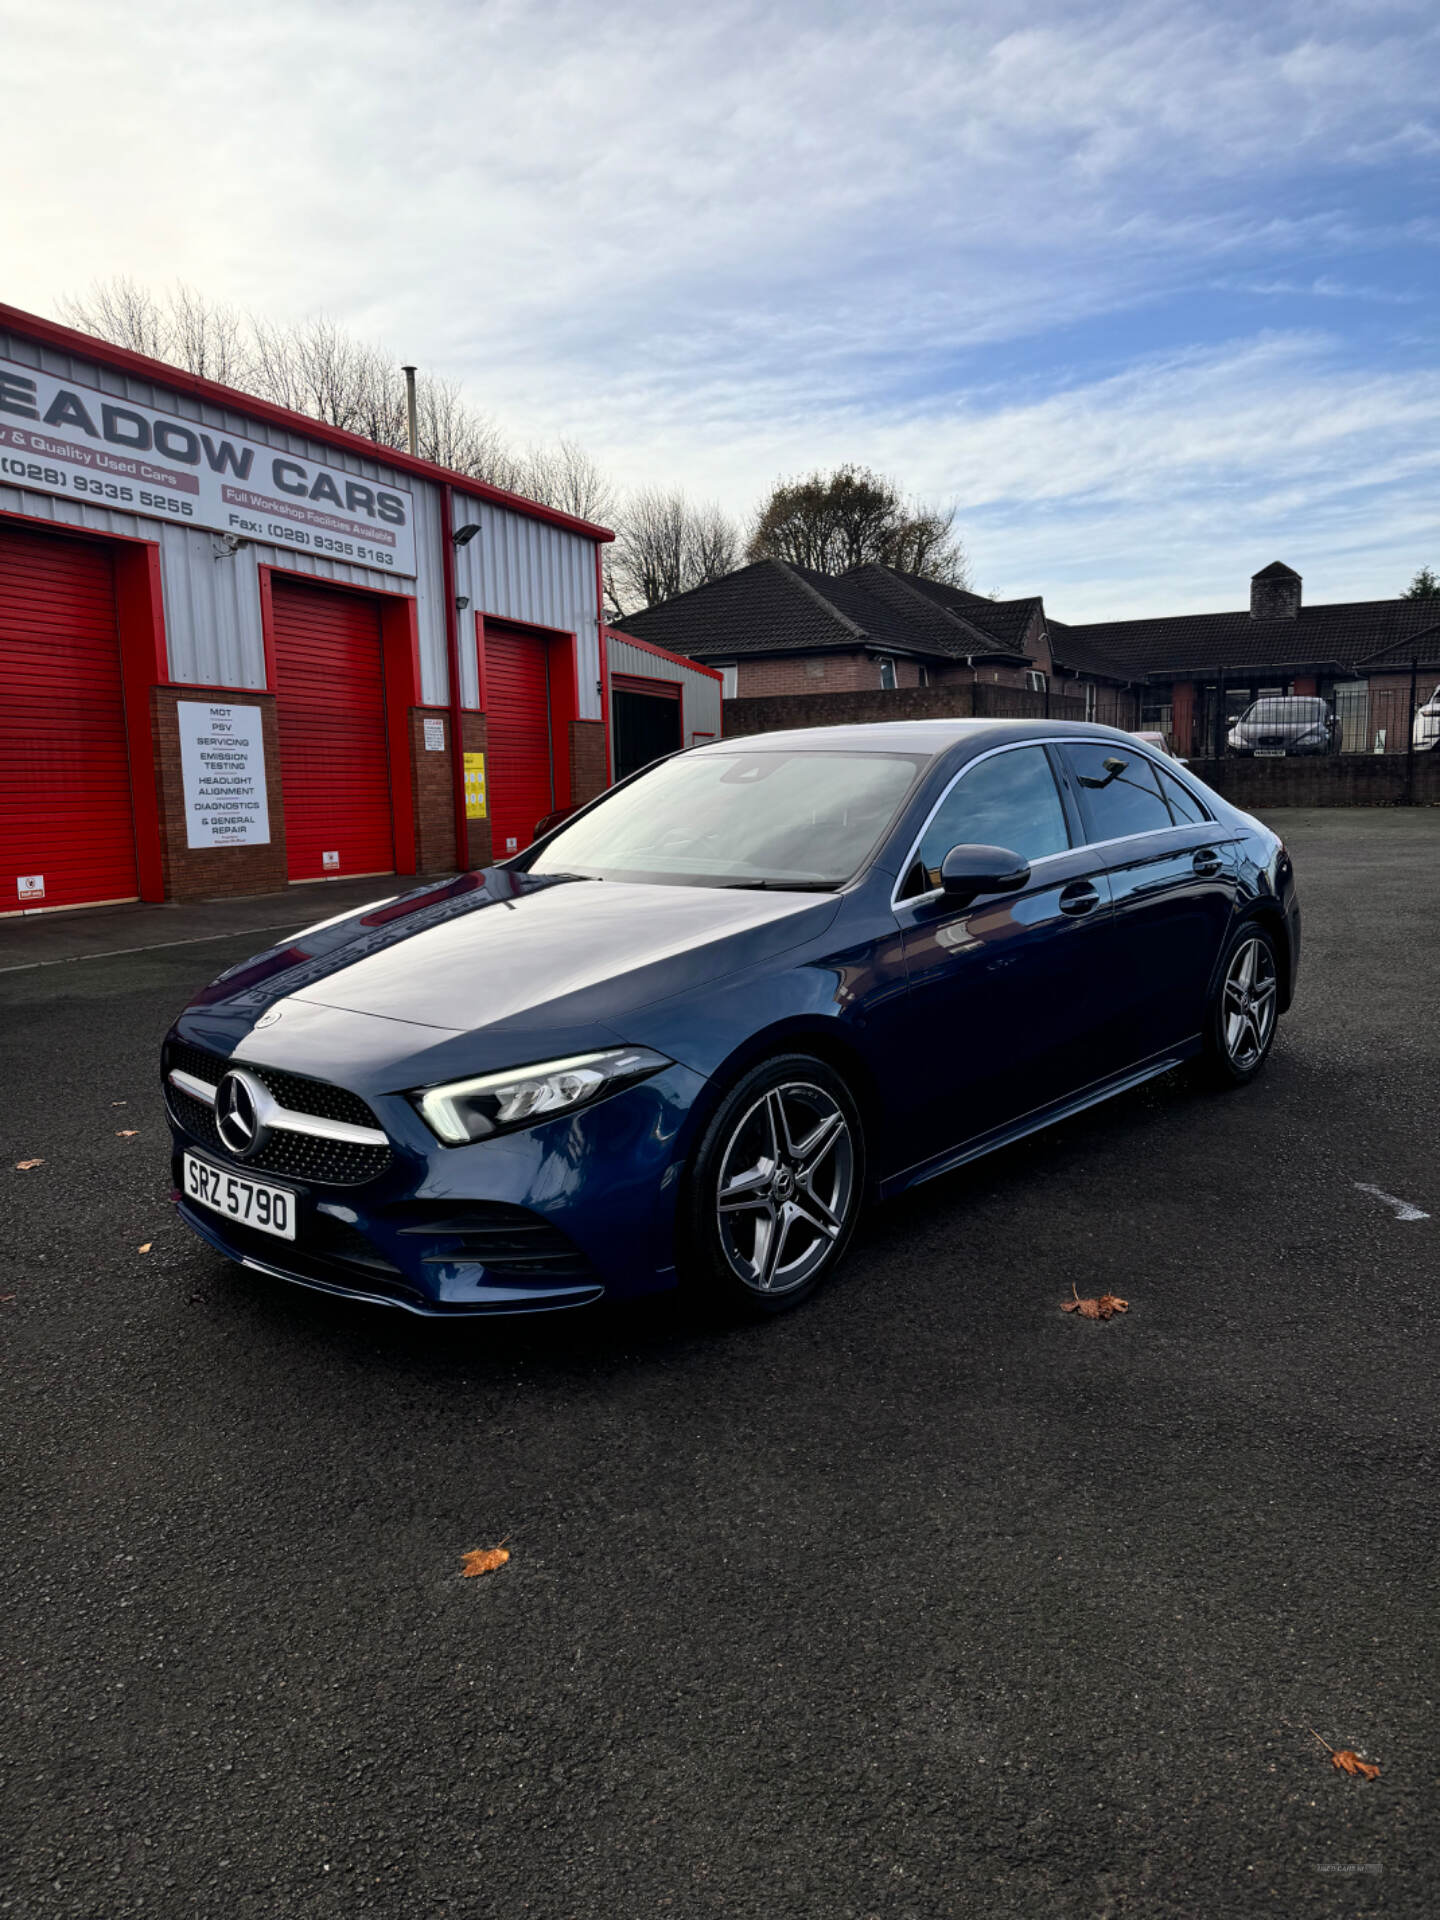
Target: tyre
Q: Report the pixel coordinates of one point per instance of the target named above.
(1241, 1019)
(774, 1188)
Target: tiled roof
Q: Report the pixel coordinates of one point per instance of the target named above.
(1342, 635)
(773, 607)
(1007, 620)
(764, 608)
(1070, 649)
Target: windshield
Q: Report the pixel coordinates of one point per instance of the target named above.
(739, 818)
(1285, 711)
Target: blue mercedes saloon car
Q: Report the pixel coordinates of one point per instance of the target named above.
(683, 1037)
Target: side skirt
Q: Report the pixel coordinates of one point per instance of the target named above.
(1035, 1122)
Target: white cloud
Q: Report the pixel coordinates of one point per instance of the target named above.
(716, 244)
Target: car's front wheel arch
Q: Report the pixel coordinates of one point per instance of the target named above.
(784, 1142)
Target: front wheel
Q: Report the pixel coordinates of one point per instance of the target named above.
(1240, 1023)
(775, 1186)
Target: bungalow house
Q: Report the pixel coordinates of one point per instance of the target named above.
(775, 628)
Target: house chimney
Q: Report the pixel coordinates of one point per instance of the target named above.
(1275, 592)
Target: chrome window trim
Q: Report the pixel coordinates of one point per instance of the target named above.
(1014, 746)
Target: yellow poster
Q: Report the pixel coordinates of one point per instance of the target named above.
(474, 786)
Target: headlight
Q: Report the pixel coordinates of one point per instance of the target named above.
(499, 1102)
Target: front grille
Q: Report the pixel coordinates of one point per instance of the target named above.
(505, 1240)
(297, 1156)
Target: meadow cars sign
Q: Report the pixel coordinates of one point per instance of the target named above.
(58, 436)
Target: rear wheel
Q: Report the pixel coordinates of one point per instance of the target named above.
(775, 1186)
(1240, 1024)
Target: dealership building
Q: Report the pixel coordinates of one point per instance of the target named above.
(240, 649)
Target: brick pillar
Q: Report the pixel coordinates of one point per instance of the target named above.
(587, 760)
(1182, 717)
(207, 873)
(430, 779)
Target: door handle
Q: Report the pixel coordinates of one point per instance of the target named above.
(1207, 861)
(1079, 897)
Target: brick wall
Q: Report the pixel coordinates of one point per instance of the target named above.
(1324, 780)
(742, 716)
(431, 785)
(812, 673)
(588, 772)
(207, 873)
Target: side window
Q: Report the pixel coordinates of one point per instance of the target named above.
(1184, 807)
(1009, 800)
(1118, 790)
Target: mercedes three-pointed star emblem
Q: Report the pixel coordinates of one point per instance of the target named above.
(239, 1103)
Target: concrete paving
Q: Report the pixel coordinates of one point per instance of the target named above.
(928, 1600)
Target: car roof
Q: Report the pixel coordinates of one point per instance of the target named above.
(930, 737)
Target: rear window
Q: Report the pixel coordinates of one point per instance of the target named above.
(1286, 711)
(1119, 791)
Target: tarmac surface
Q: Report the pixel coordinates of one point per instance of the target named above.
(926, 1600)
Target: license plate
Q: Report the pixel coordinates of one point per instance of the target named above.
(1269, 753)
(251, 1202)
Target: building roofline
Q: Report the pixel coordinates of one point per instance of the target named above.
(1406, 648)
(815, 594)
(86, 346)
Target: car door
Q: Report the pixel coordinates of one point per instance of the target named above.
(1172, 878)
(1008, 995)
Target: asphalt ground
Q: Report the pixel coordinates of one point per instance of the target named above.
(927, 1600)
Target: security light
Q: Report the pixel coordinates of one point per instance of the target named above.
(462, 536)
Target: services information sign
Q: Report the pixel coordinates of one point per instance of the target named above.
(474, 786)
(58, 436)
(222, 763)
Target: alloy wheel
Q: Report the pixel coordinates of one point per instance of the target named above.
(786, 1182)
(1248, 1002)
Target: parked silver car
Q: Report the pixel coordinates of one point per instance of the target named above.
(1284, 723)
(1426, 735)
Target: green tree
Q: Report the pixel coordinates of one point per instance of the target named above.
(1425, 586)
(830, 522)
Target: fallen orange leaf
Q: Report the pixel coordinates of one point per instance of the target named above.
(146, 1248)
(1101, 1309)
(24, 1166)
(482, 1560)
(1348, 1761)
(126, 1133)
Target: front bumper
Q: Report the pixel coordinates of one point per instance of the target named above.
(559, 1215)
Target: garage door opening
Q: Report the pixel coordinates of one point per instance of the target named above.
(519, 737)
(647, 722)
(329, 676)
(67, 822)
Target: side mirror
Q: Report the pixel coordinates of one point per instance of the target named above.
(967, 872)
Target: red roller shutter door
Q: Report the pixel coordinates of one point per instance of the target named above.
(517, 731)
(65, 807)
(330, 706)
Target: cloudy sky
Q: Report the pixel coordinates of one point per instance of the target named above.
(1148, 289)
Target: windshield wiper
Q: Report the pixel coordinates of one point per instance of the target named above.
(783, 886)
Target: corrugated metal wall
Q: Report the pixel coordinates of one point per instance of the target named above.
(521, 569)
(698, 691)
(517, 568)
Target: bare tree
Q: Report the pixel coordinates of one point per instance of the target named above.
(313, 367)
(665, 546)
(567, 477)
(208, 339)
(122, 311)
